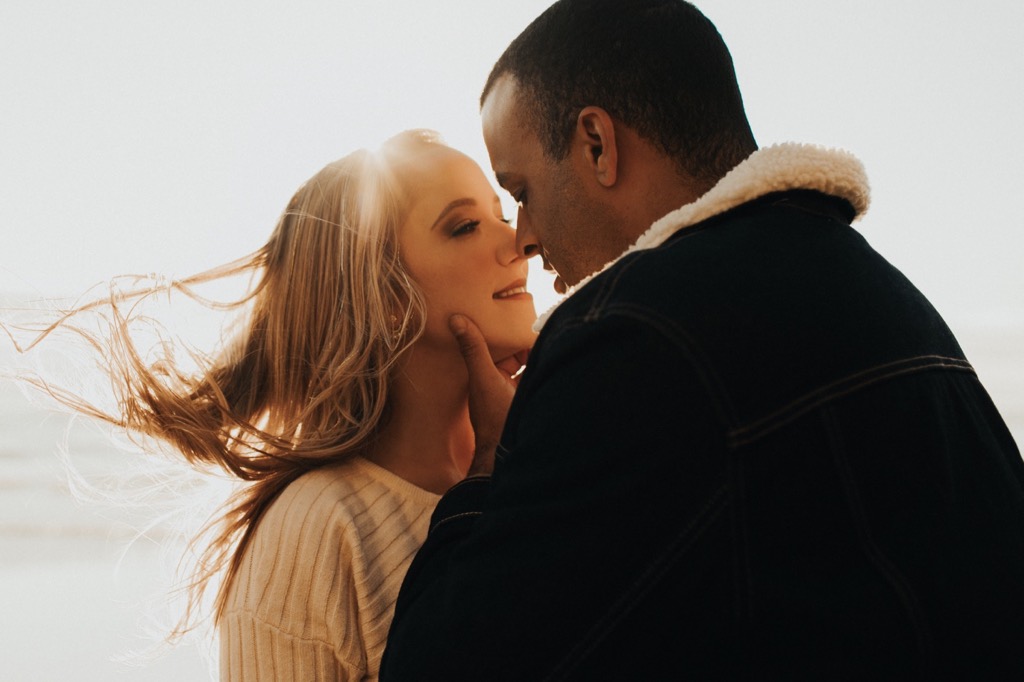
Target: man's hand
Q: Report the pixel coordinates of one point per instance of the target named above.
(491, 387)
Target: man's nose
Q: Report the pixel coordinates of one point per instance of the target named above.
(527, 243)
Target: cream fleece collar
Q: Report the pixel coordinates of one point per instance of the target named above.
(777, 168)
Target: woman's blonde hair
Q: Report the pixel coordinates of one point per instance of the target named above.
(305, 382)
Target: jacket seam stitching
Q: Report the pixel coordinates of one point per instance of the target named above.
(679, 338)
(453, 518)
(743, 586)
(640, 587)
(674, 335)
(469, 480)
(758, 428)
(892, 575)
(608, 288)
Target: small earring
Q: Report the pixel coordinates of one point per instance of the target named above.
(396, 330)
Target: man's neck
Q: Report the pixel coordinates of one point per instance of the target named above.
(651, 185)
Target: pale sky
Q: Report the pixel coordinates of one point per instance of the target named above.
(166, 137)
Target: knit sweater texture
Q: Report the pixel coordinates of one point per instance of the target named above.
(316, 590)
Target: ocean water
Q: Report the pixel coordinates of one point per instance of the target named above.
(81, 588)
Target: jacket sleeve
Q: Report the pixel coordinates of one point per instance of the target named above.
(606, 476)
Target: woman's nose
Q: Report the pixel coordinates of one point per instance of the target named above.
(507, 252)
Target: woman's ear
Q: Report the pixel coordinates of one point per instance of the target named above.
(595, 133)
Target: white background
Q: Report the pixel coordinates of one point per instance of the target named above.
(167, 136)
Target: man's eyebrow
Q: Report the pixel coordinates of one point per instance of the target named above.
(502, 178)
(451, 207)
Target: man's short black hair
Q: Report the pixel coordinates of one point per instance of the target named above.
(658, 66)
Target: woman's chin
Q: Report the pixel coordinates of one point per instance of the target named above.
(505, 348)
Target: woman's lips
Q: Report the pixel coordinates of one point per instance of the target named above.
(516, 289)
(512, 292)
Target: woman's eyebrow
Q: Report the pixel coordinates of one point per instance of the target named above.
(451, 207)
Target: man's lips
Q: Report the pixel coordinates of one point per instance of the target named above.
(559, 283)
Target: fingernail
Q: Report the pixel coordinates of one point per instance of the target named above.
(457, 323)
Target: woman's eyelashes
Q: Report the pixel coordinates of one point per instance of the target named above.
(465, 228)
(468, 226)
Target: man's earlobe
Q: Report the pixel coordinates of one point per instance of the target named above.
(596, 131)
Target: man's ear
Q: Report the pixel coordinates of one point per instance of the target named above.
(595, 133)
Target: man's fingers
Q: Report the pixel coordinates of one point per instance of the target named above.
(509, 365)
(490, 391)
(471, 343)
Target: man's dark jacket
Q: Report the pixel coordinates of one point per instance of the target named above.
(754, 452)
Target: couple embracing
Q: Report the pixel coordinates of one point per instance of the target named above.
(744, 446)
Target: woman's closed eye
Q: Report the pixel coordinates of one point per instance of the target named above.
(465, 228)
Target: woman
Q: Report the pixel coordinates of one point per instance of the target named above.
(342, 403)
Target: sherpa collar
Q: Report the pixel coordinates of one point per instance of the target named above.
(778, 168)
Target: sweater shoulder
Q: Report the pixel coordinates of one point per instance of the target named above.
(347, 496)
(326, 555)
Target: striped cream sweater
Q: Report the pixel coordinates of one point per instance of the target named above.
(317, 586)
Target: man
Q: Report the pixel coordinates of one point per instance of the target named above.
(748, 447)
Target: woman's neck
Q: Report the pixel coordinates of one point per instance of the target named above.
(428, 439)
